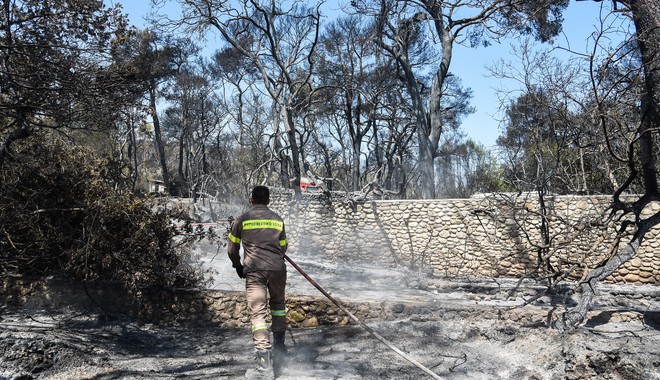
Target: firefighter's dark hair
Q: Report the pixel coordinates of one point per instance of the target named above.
(260, 195)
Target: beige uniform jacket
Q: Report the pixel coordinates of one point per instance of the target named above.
(261, 231)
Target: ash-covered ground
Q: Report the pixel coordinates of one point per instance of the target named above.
(452, 332)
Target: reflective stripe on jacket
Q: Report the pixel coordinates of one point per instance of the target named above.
(262, 233)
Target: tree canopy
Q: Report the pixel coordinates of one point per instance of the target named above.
(54, 59)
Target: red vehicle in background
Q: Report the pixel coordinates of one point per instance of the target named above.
(306, 183)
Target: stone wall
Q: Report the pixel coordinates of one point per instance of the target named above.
(488, 236)
(493, 236)
(177, 306)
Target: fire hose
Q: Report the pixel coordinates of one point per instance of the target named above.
(358, 321)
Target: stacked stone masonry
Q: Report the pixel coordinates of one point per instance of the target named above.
(226, 309)
(496, 236)
(162, 306)
(493, 236)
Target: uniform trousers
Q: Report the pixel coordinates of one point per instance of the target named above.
(265, 295)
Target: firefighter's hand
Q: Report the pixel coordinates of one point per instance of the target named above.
(239, 271)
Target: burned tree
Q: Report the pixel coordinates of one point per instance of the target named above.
(54, 71)
(642, 149)
(279, 39)
(409, 31)
(608, 140)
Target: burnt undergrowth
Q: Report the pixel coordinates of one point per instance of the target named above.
(69, 213)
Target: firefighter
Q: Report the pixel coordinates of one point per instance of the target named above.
(261, 232)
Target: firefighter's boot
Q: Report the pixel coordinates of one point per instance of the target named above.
(264, 369)
(278, 345)
(264, 360)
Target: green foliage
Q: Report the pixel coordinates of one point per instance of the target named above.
(63, 212)
(466, 169)
(542, 19)
(54, 62)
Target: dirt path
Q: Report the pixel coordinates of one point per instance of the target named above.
(453, 334)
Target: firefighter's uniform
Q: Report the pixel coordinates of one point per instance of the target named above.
(261, 231)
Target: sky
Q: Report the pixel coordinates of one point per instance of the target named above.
(469, 64)
(580, 19)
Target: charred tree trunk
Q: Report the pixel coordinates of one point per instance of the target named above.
(182, 166)
(287, 116)
(646, 17)
(132, 152)
(327, 161)
(14, 136)
(572, 318)
(160, 144)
